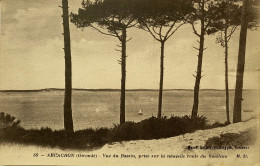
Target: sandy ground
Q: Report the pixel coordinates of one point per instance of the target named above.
(170, 151)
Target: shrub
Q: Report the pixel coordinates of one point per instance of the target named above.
(9, 125)
(216, 124)
(8, 121)
(233, 139)
(154, 128)
(126, 131)
(151, 128)
(91, 138)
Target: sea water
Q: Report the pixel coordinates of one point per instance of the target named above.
(101, 108)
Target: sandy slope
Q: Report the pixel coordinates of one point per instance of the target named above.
(132, 152)
(179, 143)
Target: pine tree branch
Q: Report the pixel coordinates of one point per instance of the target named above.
(114, 31)
(169, 30)
(149, 30)
(130, 22)
(130, 26)
(207, 25)
(153, 28)
(194, 30)
(160, 32)
(195, 48)
(102, 31)
(232, 31)
(117, 35)
(175, 30)
(128, 40)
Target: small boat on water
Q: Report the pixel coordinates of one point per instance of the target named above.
(140, 112)
(248, 110)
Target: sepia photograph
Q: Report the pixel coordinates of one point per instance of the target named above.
(130, 82)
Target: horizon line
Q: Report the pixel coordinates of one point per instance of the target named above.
(105, 89)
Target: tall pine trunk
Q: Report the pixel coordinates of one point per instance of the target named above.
(123, 79)
(68, 122)
(198, 76)
(226, 77)
(240, 65)
(159, 115)
(195, 107)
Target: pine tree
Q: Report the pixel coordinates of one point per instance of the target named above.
(68, 121)
(116, 17)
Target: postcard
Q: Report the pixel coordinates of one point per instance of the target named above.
(129, 82)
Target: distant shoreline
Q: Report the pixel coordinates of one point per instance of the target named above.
(116, 90)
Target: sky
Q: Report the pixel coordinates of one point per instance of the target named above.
(32, 57)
